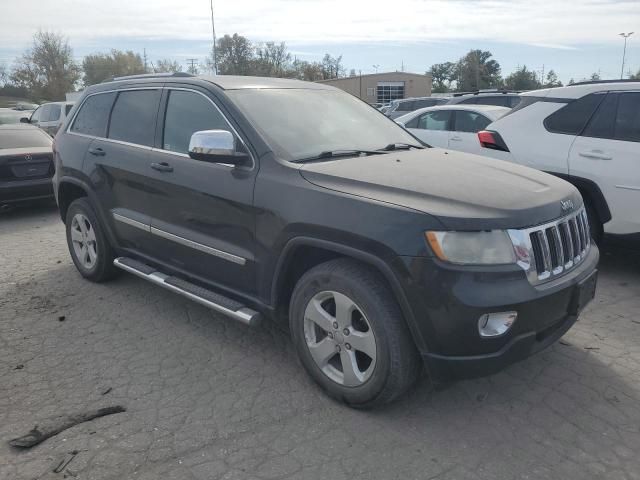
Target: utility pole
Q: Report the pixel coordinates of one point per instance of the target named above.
(624, 52)
(145, 60)
(542, 75)
(192, 65)
(213, 32)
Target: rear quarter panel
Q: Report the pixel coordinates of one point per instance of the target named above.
(530, 143)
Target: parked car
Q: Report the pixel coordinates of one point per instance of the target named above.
(25, 106)
(26, 165)
(274, 198)
(10, 116)
(587, 134)
(398, 108)
(453, 127)
(49, 116)
(501, 99)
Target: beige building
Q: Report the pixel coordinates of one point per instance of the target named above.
(384, 87)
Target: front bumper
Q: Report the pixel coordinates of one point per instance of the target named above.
(25, 190)
(446, 303)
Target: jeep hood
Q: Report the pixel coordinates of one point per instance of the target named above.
(463, 191)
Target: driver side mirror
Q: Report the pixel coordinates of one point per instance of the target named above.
(218, 146)
(25, 120)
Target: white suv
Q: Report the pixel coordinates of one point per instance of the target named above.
(587, 134)
(49, 116)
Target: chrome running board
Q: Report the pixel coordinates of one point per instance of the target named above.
(208, 298)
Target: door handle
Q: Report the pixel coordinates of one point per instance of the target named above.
(97, 151)
(162, 167)
(595, 154)
(456, 139)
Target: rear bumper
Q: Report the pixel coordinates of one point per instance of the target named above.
(447, 303)
(25, 190)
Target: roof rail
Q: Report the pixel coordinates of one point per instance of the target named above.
(596, 82)
(485, 92)
(148, 75)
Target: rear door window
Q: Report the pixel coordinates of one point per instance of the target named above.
(54, 113)
(601, 125)
(471, 122)
(572, 118)
(133, 118)
(435, 120)
(45, 111)
(189, 112)
(627, 126)
(617, 118)
(93, 116)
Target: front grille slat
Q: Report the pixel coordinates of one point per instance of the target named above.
(557, 247)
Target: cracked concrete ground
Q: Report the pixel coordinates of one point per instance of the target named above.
(208, 398)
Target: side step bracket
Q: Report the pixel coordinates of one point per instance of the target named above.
(208, 298)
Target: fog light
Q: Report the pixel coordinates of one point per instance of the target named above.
(496, 324)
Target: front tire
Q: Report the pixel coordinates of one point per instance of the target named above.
(88, 245)
(350, 334)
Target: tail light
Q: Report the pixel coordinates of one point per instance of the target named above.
(492, 140)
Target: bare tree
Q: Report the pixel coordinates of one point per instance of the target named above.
(166, 66)
(47, 70)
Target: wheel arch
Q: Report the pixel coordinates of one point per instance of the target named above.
(69, 189)
(302, 253)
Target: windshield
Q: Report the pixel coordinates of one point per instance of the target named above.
(26, 138)
(303, 123)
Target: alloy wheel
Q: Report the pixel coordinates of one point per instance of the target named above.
(340, 338)
(83, 239)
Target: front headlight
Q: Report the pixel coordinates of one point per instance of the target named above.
(472, 248)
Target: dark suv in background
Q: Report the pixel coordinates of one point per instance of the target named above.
(272, 198)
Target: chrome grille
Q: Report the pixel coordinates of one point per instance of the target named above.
(549, 250)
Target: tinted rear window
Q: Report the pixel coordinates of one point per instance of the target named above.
(572, 118)
(133, 118)
(24, 139)
(500, 101)
(93, 116)
(405, 107)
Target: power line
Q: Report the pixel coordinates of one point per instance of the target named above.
(192, 65)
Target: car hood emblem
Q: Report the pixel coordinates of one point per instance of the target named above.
(28, 157)
(566, 205)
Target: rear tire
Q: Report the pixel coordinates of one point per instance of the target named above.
(88, 245)
(369, 359)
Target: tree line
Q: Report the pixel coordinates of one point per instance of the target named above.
(478, 70)
(47, 70)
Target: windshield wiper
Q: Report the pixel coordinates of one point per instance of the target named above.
(400, 146)
(328, 154)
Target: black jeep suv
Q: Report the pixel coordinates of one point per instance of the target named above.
(271, 198)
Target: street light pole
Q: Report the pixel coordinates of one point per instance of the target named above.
(624, 51)
(213, 32)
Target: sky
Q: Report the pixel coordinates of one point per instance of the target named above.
(574, 38)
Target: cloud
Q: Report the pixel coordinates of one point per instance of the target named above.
(548, 23)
